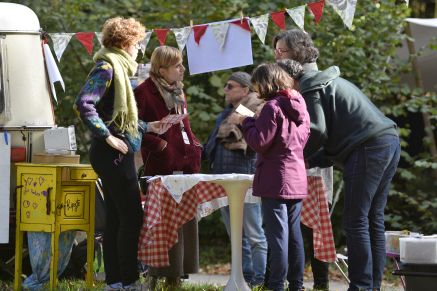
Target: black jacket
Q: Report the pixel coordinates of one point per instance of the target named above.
(342, 117)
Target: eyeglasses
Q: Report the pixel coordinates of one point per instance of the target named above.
(280, 51)
(230, 86)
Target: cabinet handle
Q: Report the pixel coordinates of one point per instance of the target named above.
(48, 206)
(83, 175)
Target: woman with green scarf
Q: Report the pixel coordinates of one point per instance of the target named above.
(108, 108)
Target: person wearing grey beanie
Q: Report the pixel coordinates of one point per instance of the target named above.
(243, 79)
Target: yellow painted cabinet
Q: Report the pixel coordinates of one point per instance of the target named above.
(54, 198)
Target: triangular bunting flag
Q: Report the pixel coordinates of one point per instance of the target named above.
(99, 36)
(260, 24)
(182, 35)
(86, 39)
(298, 15)
(60, 42)
(220, 30)
(161, 33)
(346, 10)
(244, 24)
(279, 19)
(199, 31)
(316, 9)
(145, 41)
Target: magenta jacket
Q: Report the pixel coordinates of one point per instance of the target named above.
(279, 135)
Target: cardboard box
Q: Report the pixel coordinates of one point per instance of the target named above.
(45, 158)
(60, 139)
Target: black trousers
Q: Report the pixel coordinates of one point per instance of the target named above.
(320, 269)
(124, 214)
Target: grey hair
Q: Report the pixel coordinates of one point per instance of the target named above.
(301, 46)
(293, 68)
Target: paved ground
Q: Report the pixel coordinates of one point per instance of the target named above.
(221, 280)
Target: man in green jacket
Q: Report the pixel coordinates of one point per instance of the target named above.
(348, 130)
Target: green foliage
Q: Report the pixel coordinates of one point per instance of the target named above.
(366, 55)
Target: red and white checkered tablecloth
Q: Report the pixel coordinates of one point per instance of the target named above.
(163, 216)
(315, 215)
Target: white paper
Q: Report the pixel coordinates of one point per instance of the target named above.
(52, 70)
(5, 180)
(243, 110)
(207, 56)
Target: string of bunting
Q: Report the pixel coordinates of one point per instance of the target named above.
(344, 8)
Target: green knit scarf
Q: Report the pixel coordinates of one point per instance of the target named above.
(125, 114)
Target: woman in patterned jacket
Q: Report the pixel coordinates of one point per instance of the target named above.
(107, 106)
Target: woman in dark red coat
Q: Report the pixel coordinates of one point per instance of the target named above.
(176, 151)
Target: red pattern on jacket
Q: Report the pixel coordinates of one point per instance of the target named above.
(176, 156)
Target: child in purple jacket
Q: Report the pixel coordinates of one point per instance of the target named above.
(279, 135)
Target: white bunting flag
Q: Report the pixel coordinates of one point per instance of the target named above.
(181, 35)
(60, 42)
(298, 15)
(99, 36)
(346, 10)
(145, 41)
(220, 30)
(260, 24)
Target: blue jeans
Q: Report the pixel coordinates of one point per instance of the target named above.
(282, 224)
(254, 242)
(367, 175)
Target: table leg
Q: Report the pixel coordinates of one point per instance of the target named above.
(236, 192)
(18, 257)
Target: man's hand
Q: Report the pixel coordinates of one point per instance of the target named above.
(158, 127)
(236, 118)
(117, 144)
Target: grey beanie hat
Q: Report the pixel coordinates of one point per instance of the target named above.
(242, 78)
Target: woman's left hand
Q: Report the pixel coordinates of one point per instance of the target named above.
(158, 127)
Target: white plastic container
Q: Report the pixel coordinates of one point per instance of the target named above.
(421, 250)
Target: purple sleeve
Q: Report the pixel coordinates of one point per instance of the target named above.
(98, 81)
(259, 133)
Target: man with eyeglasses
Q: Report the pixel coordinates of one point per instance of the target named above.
(348, 130)
(227, 152)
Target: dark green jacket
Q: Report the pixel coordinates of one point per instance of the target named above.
(342, 117)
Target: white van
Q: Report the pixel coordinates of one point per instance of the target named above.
(25, 97)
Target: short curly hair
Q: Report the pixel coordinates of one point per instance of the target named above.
(301, 45)
(122, 32)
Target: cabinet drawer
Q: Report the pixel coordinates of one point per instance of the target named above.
(82, 175)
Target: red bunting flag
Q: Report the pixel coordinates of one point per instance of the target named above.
(316, 9)
(279, 19)
(161, 33)
(199, 31)
(86, 39)
(244, 24)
